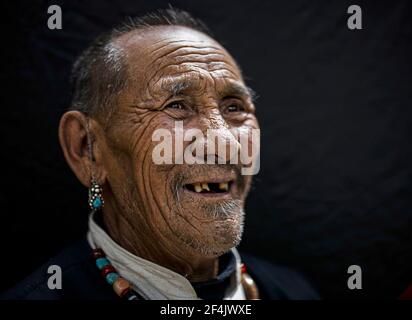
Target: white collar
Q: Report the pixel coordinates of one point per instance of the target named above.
(151, 280)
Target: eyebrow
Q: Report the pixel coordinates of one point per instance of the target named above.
(179, 86)
(176, 87)
(237, 89)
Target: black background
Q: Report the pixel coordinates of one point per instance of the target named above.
(335, 110)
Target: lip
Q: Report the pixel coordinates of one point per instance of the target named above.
(222, 178)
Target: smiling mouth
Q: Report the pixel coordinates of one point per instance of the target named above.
(209, 188)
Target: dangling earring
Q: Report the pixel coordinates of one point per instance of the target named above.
(96, 201)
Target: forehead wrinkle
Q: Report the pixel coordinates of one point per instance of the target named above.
(213, 68)
(213, 63)
(155, 87)
(183, 46)
(175, 53)
(191, 49)
(220, 73)
(148, 41)
(167, 42)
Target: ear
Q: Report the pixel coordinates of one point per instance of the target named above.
(73, 130)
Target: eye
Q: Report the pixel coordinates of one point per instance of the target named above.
(175, 105)
(235, 108)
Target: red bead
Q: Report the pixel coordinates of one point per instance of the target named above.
(243, 268)
(107, 269)
(98, 253)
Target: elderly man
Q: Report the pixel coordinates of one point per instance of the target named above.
(159, 230)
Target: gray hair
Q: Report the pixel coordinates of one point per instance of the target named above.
(99, 73)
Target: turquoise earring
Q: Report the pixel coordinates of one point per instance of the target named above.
(95, 191)
(95, 196)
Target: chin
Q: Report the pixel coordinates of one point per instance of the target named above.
(217, 237)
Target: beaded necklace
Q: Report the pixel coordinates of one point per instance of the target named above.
(124, 289)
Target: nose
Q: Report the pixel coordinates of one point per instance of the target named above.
(219, 144)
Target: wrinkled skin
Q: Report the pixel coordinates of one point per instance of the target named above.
(147, 209)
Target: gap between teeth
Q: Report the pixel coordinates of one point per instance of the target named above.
(205, 186)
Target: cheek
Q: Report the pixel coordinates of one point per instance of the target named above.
(248, 136)
(141, 140)
(154, 180)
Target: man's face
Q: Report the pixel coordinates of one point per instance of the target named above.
(178, 74)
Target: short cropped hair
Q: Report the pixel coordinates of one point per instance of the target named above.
(100, 73)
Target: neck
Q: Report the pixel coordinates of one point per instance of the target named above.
(205, 270)
(143, 243)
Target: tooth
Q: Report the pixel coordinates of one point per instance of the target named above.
(205, 186)
(198, 188)
(224, 186)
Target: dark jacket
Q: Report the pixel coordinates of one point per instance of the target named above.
(82, 280)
